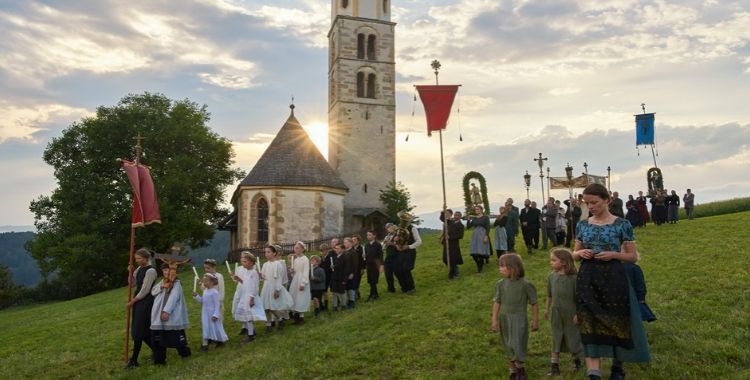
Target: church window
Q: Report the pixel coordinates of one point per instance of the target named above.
(371, 86)
(371, 47)
(344, 3)
(361, 46)
(361, 84)
(262, 220)
(364, 188)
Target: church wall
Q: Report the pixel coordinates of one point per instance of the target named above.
(331, 214)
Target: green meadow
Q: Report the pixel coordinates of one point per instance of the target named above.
(698, 286)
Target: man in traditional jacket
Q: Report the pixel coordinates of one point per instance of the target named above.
(688, 201)
(529, 218)
(615, 205)
(511, 224)
(453, 248)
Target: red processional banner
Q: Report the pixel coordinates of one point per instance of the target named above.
(437, 101)
(145, 204)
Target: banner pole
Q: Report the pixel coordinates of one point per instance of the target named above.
(130, 294)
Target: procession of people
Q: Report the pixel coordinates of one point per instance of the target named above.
(330, 281)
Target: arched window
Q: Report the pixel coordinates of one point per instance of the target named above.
(361, 84)
(361, 46)
(371, 86)
(364, 188)
(344, 3)
(371, 47)
(262, 219)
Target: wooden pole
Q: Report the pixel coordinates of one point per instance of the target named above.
(130, 294)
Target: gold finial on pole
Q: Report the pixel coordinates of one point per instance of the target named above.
(436, 66)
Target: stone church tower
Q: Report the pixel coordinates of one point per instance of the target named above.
(362, 104)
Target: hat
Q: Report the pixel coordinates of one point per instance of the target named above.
(405, 216)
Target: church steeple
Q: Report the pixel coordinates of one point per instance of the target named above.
(361, 100)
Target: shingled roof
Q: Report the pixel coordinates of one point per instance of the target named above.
(293, 160)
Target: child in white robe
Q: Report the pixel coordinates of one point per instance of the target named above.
(275, 297)
(247, 306)
(211, 321)
(299, 289)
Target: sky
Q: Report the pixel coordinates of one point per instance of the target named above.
(563, 78)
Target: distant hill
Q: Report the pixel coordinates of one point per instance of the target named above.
(7, 228)
(17, 259)
(217, 249)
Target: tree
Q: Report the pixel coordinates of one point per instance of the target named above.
(396, 198)
(9, 292)
(83, 228)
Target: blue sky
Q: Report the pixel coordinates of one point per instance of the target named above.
(559, 77)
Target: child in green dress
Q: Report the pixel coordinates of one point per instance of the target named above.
(512, 294)
(561, 309)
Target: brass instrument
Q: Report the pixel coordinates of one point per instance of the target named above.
(402, 234)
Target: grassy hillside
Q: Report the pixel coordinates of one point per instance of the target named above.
(698, 287)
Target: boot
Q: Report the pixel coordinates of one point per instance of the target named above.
(282, 323)
(577, 365)
(521, 374)
(219, 344)
(204, 348)
(617, 373)
(131, 364)
(554, 370)
(248, 339)
(243, 332)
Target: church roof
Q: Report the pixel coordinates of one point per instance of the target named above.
(293, 160)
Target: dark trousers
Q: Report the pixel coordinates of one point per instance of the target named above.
(528, 237)
(163, 339)
(535, 236)
(406, 261)
(551, 235)
(373, 290)
(390, 270)
(511, 240)
(480, 261)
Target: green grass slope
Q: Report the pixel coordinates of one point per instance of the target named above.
(697, 273)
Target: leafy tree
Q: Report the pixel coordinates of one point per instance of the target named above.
(396, 198)
(83, 228)
(8, 290)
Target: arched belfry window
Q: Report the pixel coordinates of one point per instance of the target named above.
(371, 47)
(344, 3)
(361, 46)
(361, 84)
(262, 219)
(371, 82)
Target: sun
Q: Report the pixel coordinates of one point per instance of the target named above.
(318, 132)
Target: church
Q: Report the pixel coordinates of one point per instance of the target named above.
(292, 193)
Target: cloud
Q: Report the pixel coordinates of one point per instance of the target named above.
(22, 122)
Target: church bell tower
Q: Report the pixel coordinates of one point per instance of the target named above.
(361, 103)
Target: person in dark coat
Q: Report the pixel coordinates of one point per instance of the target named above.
(141, 304)
(373, 263)
(511, 226)
(572, 216)
(455, 234)
(339, 277)
(529, 218)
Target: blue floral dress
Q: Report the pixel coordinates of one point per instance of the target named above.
(608, 312)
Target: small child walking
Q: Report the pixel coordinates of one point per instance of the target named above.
(211, 321)
(209, 265)
(247, 306)
(561, 309)
(512, 295)
(317, 284)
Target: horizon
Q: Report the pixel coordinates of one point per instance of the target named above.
(562, 78)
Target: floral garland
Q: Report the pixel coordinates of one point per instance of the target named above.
(467, 192)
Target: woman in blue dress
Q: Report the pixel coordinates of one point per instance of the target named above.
(608, 311)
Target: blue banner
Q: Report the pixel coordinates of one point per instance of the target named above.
(644, 129)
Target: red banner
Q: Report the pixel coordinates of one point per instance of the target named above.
(437, 101)
(145, 204)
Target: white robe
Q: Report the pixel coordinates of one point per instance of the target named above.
(246, 290)
(274, 278)
(301, 270)
(211, 307)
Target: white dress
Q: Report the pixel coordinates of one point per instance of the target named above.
(301, 298)
(274, 277)
(246, 290)
(210, 307)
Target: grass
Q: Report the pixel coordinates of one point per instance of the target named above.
(698, 287)
(728, 206)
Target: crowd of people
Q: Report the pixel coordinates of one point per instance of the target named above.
(595, 310)
(290, 287)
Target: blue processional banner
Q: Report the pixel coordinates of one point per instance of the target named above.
(644, 129)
